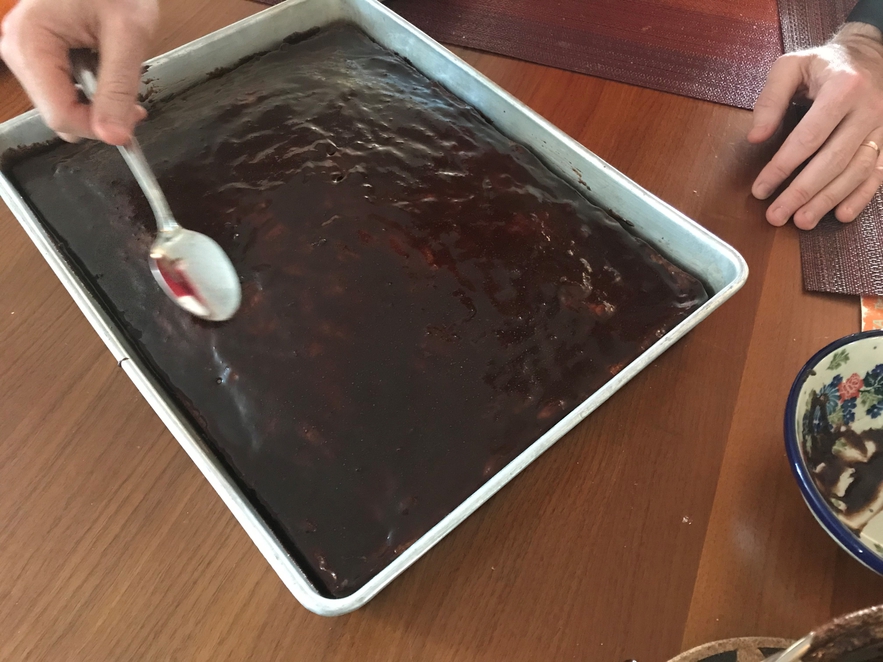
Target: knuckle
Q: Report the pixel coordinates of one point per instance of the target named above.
(764, 102)
(10, 23)
(799, 194)
(134, 16)
(115, 90)
(21, 21)
(6, 49)
(824, 202)
(779, 169)
(782, 70)
(789, 60)
(10, 36)
(54, 119)
(839, 158)
(808, 138)
(863, 85)
(850, 83)
(139, 25)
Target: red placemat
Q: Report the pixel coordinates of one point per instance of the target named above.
(838, 258)
(718, 50)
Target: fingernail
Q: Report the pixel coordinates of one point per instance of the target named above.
(777, 215)
(805, 220)
(762, 191)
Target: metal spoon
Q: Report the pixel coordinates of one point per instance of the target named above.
(794, 652)
(189, 266)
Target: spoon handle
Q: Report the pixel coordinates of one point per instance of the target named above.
(132, 153)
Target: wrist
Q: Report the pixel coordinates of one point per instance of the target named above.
(858, 31)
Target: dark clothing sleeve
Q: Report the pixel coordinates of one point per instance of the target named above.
(868, 11)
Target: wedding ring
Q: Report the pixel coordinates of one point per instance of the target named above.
(872, 145)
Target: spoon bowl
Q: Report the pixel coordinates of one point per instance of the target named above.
(195, 273)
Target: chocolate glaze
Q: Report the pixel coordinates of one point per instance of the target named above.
(828, 466)
(422, 298)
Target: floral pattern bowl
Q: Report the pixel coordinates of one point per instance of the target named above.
(834, 441)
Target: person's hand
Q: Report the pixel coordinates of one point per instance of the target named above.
(37, 36)
(842, 131)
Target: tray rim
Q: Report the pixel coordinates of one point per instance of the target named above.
(31, 130)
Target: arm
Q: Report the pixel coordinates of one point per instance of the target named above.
(840, 135)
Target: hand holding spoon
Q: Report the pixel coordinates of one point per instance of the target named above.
(189, 266)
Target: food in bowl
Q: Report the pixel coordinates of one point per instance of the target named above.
(837, 418)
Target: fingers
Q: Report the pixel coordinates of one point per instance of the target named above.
(39, 60)
(36, 39)
(856, 201)
(782, 84)
(840, 172)
(860, 169)
(830, 162)
(823, 117)
(114, 109)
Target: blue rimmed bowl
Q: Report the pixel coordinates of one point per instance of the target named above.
(834, 441)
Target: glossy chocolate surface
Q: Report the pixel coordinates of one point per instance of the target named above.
(422, 298)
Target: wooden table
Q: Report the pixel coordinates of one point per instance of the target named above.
(669, 518)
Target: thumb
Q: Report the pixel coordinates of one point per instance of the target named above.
(123, 45)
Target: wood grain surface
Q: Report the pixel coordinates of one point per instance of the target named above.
(667, 519)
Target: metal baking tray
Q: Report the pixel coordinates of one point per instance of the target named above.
(719, 266)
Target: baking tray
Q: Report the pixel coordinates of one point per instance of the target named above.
(720, 267)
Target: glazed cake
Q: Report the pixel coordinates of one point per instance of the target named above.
(422, 298)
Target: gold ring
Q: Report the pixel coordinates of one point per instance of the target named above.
(872, 145)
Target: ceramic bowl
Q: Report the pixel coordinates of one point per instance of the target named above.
(834, 428)
(857, 637)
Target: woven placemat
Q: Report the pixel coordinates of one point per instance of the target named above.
(835, 257)
(808, 23)
(717, 50)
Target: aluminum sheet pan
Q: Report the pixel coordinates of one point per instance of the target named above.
(686, 243)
